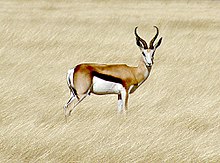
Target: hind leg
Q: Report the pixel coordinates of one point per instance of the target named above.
(72, 98)
(81, 99)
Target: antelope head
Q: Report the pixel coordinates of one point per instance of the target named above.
(148, 52)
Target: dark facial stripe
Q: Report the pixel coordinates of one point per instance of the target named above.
(107, 77)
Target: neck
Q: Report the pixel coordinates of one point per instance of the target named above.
(143, 65)
(143, 71)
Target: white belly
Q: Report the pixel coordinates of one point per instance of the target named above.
(102, 87)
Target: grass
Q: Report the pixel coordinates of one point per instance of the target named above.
(172, 117)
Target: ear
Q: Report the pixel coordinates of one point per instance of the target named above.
(139, 43)
(158, 43)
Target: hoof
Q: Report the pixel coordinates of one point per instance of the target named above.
(65, 110)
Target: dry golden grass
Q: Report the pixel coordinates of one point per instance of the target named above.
(173, 117)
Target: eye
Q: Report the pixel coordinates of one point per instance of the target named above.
(143, 54)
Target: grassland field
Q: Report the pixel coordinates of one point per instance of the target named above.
(173, 117)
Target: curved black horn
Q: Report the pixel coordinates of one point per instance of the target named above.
(140, 39)
(153, 39)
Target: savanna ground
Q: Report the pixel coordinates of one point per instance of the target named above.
(173, 117)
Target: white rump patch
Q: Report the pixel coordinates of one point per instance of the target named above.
(70, 77)
(102, 87)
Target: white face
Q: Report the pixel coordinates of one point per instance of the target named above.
(148, 56)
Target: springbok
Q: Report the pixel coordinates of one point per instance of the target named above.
(117, 79)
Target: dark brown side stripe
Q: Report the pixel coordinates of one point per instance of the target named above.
(107, 77)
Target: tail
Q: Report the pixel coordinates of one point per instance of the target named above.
(70, 82)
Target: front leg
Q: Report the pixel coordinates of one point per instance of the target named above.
(124, 97)
(120, 103)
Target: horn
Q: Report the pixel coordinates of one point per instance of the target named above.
(140, 39)
(153, 39)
